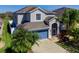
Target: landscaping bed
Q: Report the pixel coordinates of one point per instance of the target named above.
(70, 41)
(69, 47)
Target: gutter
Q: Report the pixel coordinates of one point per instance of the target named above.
(37, 29)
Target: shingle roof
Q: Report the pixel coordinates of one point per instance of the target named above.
(33, 8)
(46, 21)
(60, 11)
(25, 9)
(33, 25)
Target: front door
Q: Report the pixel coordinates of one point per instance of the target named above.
(54, 29)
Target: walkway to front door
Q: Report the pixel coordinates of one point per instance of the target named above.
(48, 46)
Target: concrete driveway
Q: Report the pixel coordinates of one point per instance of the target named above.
(2, 44)
(48, 46)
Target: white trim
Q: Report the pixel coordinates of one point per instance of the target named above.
(12, 30)
(53, 17)
(38, 29)
(53, 20)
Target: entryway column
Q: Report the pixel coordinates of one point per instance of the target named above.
(49, 34)
(58, 29)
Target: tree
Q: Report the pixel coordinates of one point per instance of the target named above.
(64, 18)
(23, 40)
(69, 18)
(9, 15)
(73, 18)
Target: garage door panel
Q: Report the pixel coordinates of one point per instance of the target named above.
(43, 34)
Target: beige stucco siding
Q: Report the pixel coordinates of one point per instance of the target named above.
(33, 16)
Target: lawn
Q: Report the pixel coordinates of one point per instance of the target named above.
(6, 37)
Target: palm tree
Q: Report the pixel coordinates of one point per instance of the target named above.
(65, 18)
(70, 17)
(73, 17)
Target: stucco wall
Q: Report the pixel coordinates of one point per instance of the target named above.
(33, 16)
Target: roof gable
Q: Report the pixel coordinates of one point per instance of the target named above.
(44, 11)
(48, 19)
(32, 9)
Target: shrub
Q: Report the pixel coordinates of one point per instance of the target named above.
(75, 34)
(23, 40)
(63, 36)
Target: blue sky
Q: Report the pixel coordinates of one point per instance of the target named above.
(13, 8)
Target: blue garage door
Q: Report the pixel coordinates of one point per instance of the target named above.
(43, 34)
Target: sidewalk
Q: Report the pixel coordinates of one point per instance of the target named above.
(48, 46)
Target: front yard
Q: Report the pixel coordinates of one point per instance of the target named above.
(19, 43)
(6, 37)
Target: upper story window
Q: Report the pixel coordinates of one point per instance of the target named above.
(38, 16)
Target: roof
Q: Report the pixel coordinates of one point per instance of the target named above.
(33, 25)
(47, 19)
(33, 8)
(50, 13)
(25, 9)
(60, 11)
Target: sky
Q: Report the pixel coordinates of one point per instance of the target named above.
(13, 8)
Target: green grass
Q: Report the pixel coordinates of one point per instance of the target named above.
(6, 37)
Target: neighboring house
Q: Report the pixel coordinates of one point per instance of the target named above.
(1, 26)
(38, 20)
(60, 11)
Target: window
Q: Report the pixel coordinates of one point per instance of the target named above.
(38, 16)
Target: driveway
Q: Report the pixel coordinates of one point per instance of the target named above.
(48, 46)
(2, 44)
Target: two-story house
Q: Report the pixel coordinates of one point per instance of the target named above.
(37, 19)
